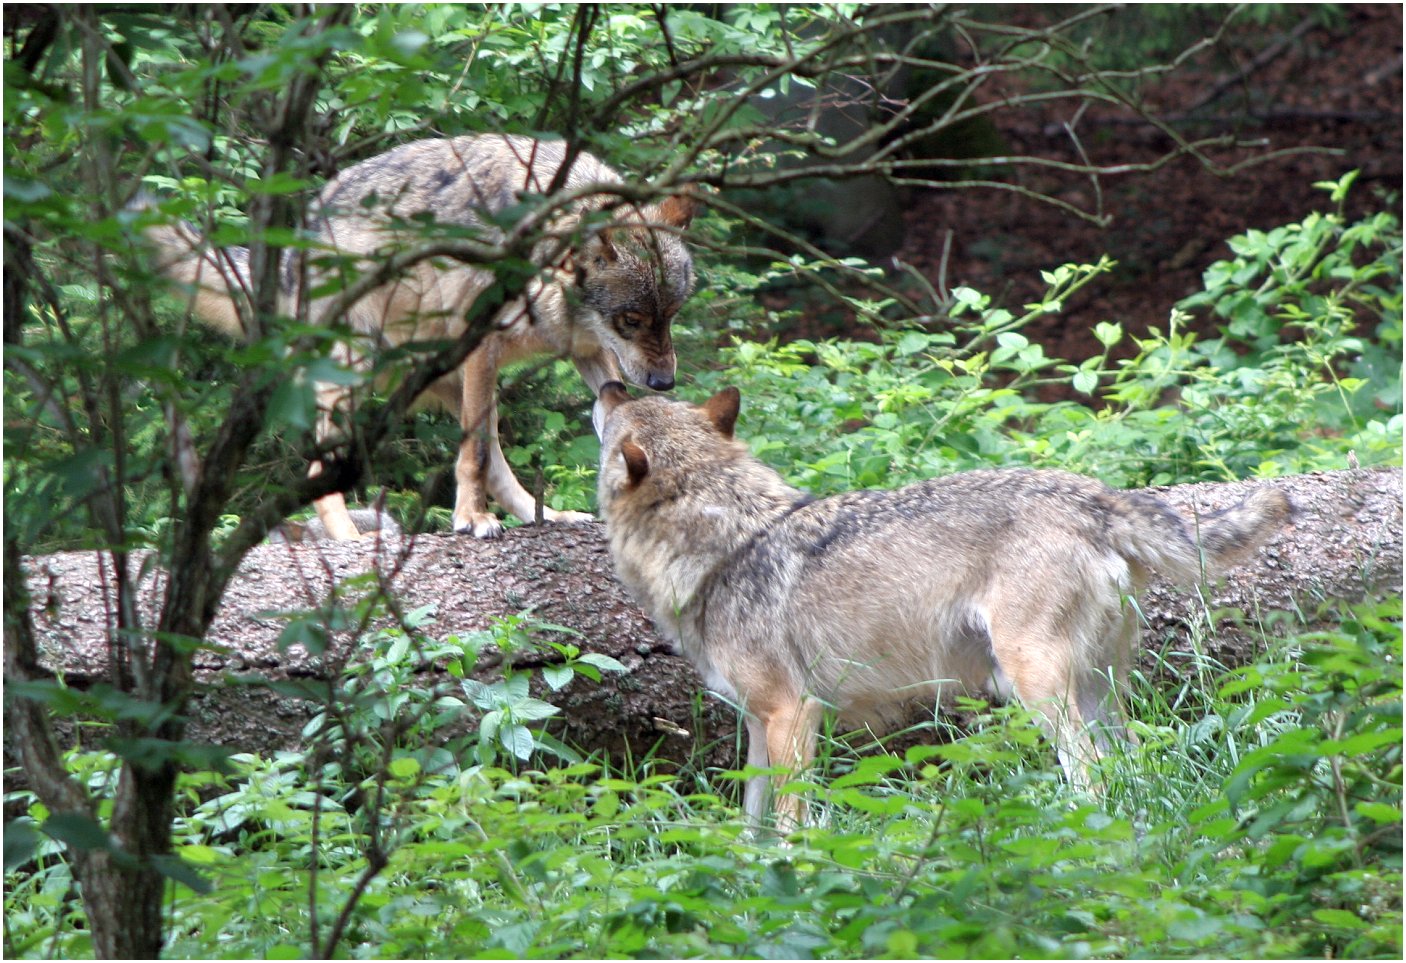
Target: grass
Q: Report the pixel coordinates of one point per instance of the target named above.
(1259, 817)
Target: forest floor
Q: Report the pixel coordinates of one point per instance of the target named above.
(1289, 86)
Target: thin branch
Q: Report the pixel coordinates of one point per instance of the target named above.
(1265, 57)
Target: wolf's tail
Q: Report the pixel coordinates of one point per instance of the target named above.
(1150, 533)
(214, 276)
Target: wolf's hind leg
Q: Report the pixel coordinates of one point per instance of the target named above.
(1101, 687)
(1042, 669)
(331, 508)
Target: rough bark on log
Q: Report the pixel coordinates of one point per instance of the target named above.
(1344, 544)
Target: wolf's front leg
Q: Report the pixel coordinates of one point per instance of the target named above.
(498, 475)
(482, 469)
(478, 416)
(757, 794)
(596, 370)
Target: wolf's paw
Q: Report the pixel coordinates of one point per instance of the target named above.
(567, 518)
(479, 525)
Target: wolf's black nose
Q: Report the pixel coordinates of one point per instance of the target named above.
(659, 382)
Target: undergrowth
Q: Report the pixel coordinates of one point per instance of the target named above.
(1305, 368)
(1260, 817)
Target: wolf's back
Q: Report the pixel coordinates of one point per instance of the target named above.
(1149, 532)
(455, 179)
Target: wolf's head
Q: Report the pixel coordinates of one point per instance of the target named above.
(631, 279)
(679, 493)
(663, 438)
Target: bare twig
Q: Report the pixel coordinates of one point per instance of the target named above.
(1265, 57)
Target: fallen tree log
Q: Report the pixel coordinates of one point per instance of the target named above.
(1345, 544)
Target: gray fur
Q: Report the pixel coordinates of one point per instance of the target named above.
(606, 300)
(984, 581)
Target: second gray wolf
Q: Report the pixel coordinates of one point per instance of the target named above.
(1007, 581)
(605, 296)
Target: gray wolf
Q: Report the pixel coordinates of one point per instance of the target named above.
(606, 300)
(1006, 581)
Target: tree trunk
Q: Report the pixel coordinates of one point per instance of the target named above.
(121, 890)
(1344, 544)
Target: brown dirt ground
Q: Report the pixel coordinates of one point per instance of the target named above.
(1334, 87)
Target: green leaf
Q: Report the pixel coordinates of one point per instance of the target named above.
(911, 343)
(607, 804)
(200, 855)
(175, 868)
(1338, 189)
(293, 405)
(1361, 743)
(1194, 926)
(533, 710)
(327, 371)
(1378, 812)
(307, 631)
(77, 831)
(21, 842)
(518, 740)
(1339, 917)
(557, 676)
(280, 182)
(601, 661)
(404, 767)
(876, 805)
(1108, 334)
(152, 752)
(396, 653)
(25, 191)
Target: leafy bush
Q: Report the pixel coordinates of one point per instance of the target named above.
(1306, 369)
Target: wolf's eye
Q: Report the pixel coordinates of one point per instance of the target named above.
(631, 321)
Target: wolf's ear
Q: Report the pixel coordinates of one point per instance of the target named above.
(636, 461)
(613, 393)
(678, 211)
(597, 245)
(721, 410)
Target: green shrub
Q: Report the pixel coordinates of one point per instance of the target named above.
(1306, 368)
